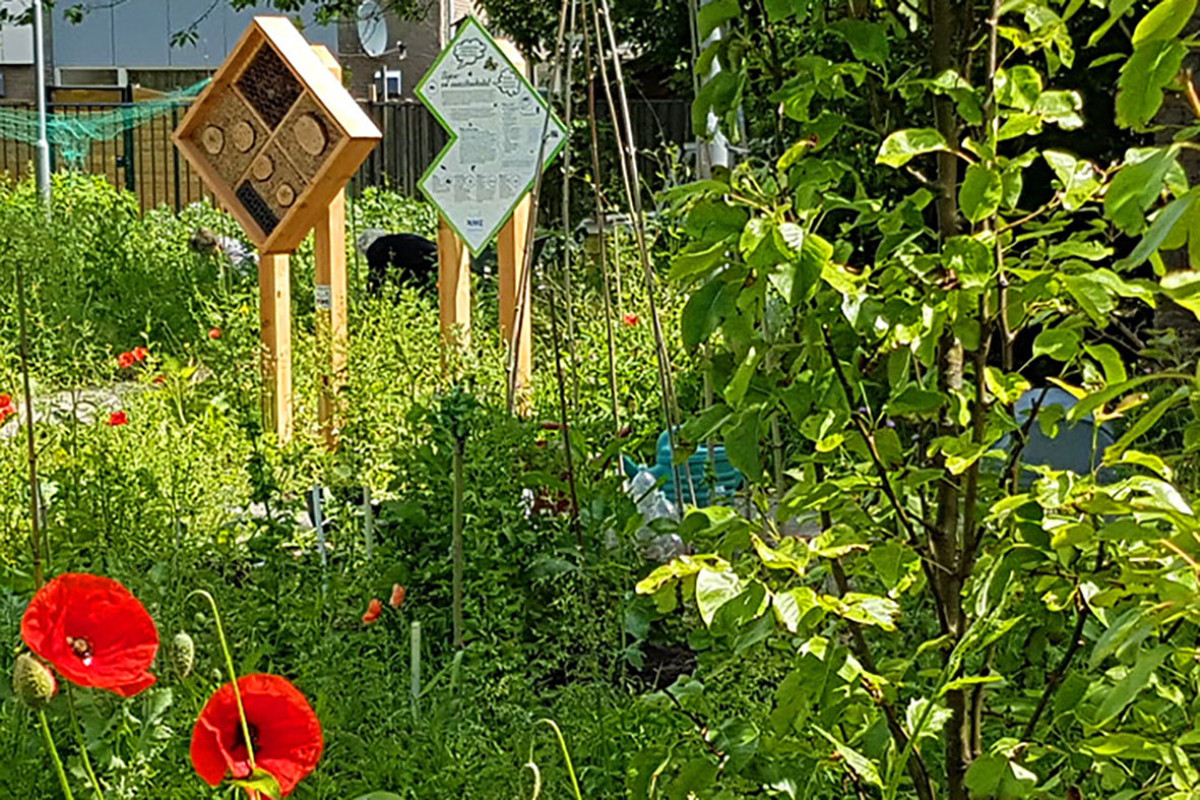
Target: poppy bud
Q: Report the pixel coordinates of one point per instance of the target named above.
(182, 654)
(33, 682)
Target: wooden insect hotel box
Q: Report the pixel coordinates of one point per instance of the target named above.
(276, 136)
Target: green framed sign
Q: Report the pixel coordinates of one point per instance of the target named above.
(499, 125)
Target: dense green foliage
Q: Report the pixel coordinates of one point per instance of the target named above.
(189, 495)
(922, 237)
(940, 208)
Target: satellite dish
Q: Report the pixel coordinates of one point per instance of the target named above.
(372, 29)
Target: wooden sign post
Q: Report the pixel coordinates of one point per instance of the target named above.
(502, 134)
(276, 137)
(516, 298)
(454, 288)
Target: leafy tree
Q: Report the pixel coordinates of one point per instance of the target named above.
(922, 237)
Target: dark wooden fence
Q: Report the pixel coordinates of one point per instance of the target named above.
(144, 160)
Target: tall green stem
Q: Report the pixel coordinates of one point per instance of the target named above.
(458, 543)
(562, 743)
(58, 767)
(83, 751)
(233, 678)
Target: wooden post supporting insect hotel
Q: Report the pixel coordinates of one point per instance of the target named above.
(276, 137)
(499, 127)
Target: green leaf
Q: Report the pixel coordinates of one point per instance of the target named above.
(1144, 424)
(1061, 108)
(1110, 362)
(966, 99)
(1131, 685)
(981, 193)
(1078, 178)
(994, 777)
(719, 94)
(1123, 745)
(972, 680)
(682, 567)
(1136, 187)
(1116, 10)
(1057, 343)
(915, 401)
(970, 259)
(1018, 87)
(262, 782)
(865, 609)
(859, 764)
(793, 605)
(742, 443)
(1091, 295)
(1162, 227)
(713, 590)
(1151, 68)
(715, 221)
(794, 154)
(738, 739)
(792, 554)
(704, 310)
(1007, 388)
(1116, 633)
(901, 147)
(714, 14)
(693, 780)
(797, 279)
(702, 427)
(779, 10)
(868, 40)
(1165, 21)
(697, 259)
(737, 387)
(1019, 125)
(380, 796)
(1183, 287)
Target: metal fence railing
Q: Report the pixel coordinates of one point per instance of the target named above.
(144, 160)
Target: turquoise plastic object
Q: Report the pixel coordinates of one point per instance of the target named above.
(708, 491)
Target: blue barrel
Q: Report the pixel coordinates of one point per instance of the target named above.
(713, 483)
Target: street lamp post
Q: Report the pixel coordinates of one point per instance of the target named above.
(42, 149)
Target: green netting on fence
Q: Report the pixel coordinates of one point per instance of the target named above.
(73, 135)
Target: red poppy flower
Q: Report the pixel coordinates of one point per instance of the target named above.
(139, 354)
(7, 409)
(94, 632)
(214, 333)
(118, 418)
(374, 610)
(397, 595)
(126, 360)
(284, 731)
(630, 319)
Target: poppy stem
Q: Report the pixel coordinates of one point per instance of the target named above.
(562, 743)
(233, 677)
(79, 738)
(58, 767)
